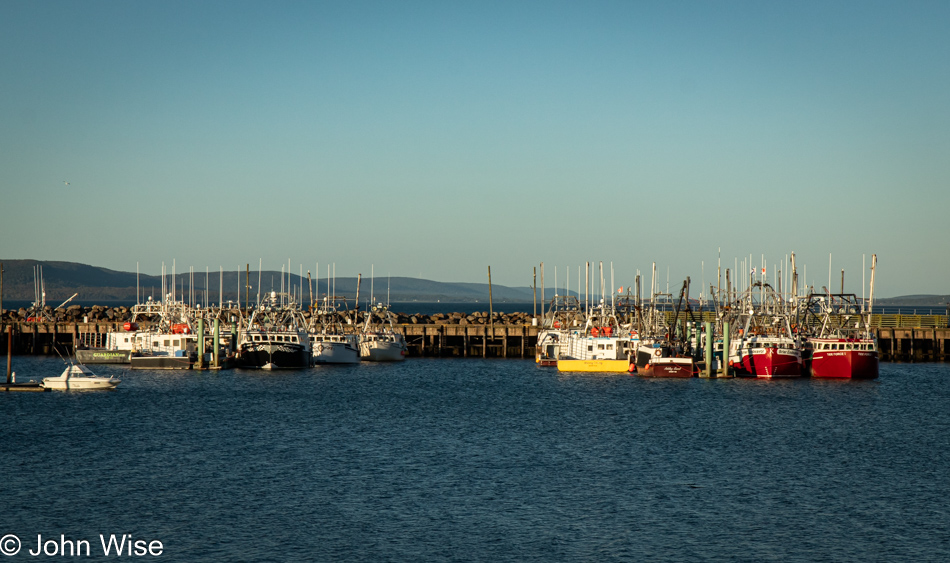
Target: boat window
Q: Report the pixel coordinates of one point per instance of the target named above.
(154, 344)
(600, 346)
(257, 338)
(293, 339)
(126, 339)
(850, 347)
(610, 346)
(167, 343)
(176, 343)
(590, 348)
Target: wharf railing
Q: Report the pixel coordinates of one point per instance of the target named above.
(888, 320)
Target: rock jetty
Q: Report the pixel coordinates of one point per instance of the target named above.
(99, 313)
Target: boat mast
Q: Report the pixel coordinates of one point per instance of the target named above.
(543, 298)
(587, 288)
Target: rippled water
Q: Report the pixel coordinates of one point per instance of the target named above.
(474, 460)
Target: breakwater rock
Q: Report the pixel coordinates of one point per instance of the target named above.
(96, 313)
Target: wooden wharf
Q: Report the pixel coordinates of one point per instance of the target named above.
(901, 338)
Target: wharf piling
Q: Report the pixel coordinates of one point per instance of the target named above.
(724, 364)
(707, 369)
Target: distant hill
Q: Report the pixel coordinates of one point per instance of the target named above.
(914, 301)
(62, 279)
(93, 283)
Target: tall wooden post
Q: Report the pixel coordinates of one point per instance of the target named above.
(9, 354)
(535, 287)
(709, 349)
(485, 342)
(216, 342)
(524, 333)
(491, 313)
(725, 349)
(201, 344)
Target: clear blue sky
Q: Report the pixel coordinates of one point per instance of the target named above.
(436, 138)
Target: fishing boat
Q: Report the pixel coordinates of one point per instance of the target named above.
(275, 336)
(766, 346)
(563, 313)
(379, 341)
(170, 344)
(597, 350)
(660, 353)
(843, 346)
(330, 334)
(765, 355)
(602, 345)
(842, 358)
(658, 357)
(79, 377)
(164, 322)
(840, 344)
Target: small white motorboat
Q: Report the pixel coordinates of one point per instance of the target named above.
(78, 376)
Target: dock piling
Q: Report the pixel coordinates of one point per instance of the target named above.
(216, 352)
(709, 349)
(725, 349)
(201, 344)
(9, 354)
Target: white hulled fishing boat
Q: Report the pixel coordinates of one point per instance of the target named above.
(379, 341)
(331, 334)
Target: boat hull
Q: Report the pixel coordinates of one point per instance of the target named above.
(382, 352)
(79, 377)
(80, 384)
(844, 364)
(667, 367)
(103, 356)
(335, 353)
(769, 363)
(161, 362)
(600, 366)
(280, 356)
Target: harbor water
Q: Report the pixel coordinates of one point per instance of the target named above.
(482, 460)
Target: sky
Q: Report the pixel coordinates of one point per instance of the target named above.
(436, 139)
